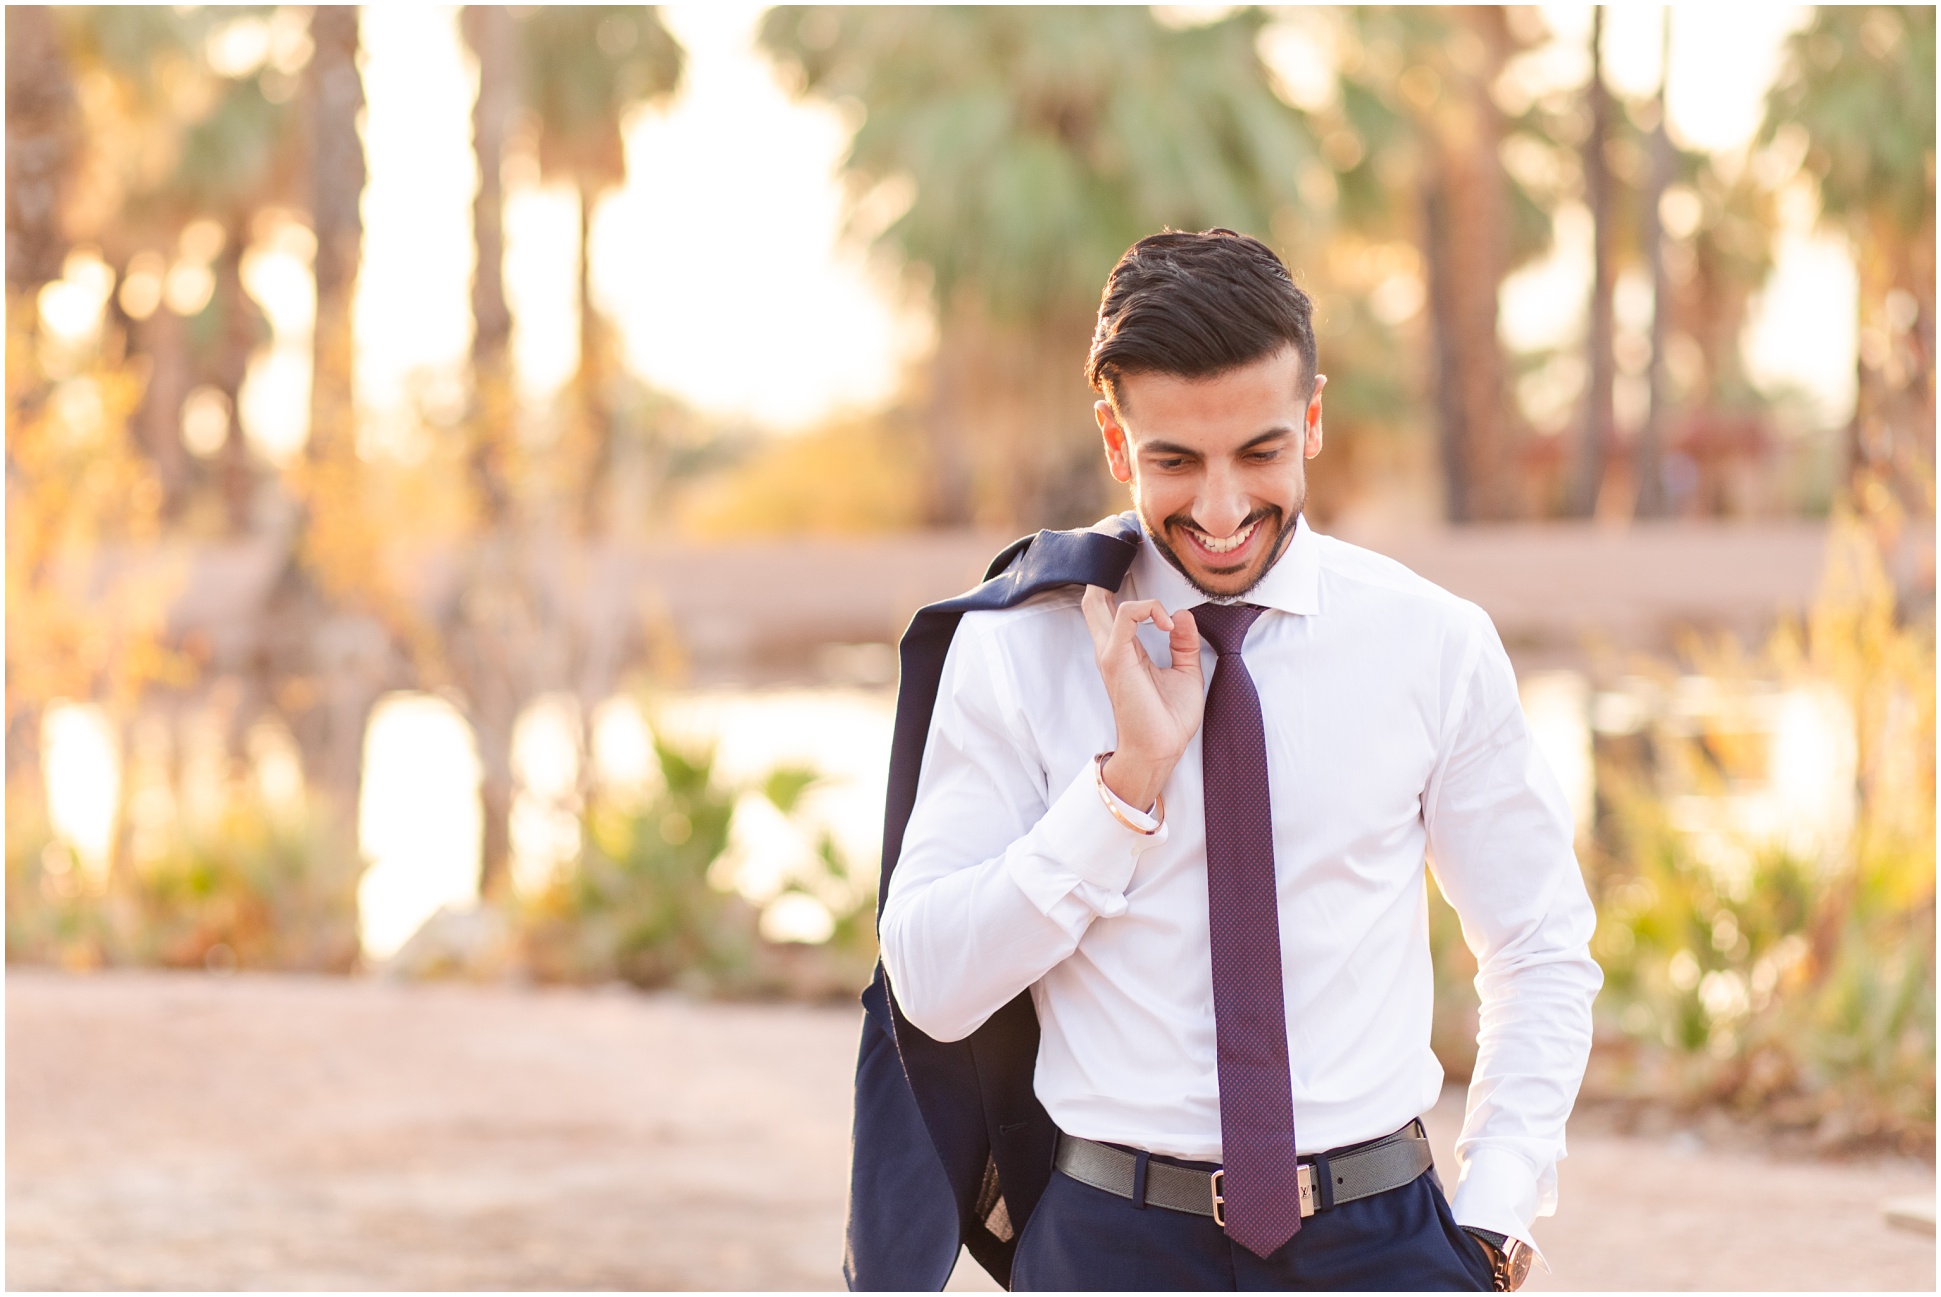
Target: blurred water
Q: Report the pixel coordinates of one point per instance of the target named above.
(419, 820)
(82, 771)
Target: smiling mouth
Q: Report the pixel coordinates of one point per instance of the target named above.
(1226, 544)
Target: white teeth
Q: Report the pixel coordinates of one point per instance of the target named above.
(1228, 545)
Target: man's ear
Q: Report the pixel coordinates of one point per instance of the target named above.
(1312, 430)
(1118, 450)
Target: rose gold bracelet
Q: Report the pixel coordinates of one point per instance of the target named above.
(1112, 802)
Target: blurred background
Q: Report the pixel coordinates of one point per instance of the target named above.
(467, 469)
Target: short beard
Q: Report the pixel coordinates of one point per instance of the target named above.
(1283, 537)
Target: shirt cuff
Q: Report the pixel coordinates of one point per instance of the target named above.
(1498, 1192)
(1077, 860)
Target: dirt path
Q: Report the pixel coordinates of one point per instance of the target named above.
(183, 1131)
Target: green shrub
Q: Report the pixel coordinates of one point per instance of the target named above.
(640, 905)
(648, 901)
(257, 888)
(1799, 990)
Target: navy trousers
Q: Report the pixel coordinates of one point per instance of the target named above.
(1081, 1238)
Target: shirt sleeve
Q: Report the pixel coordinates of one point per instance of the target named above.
(1001, 871)
(1500, 836)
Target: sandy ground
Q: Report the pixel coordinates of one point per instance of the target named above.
(186, 1131)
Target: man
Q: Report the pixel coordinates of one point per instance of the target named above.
(1189, 819)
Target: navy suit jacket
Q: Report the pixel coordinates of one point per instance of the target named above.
(951, 1146)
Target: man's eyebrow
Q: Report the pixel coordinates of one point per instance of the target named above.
(1174, 448)
(1272, 434)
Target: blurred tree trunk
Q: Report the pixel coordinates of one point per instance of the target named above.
(42, 125)
(1711, 308)
(336, 187)
(42, 134)
(1466, 242)
(1859, 80)
(946, 430)
(490, 648)
(492, 730)
(334, 660)
(1891, 436)
(240, 334)
(590, 379)
(1022, 449)
(1890, 439)
(162, 342)
(1649, 469)
(508, 634)
(1599, 427)
(488, 29)
(583, 67)
(482, 636)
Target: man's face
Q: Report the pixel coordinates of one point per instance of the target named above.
(1217, 465)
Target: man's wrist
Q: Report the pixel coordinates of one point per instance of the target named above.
(1135, 780)
(1509, 1258)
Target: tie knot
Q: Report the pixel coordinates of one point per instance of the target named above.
(1225, 625)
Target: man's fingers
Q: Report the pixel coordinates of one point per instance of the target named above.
(1125, 627)
(1134, 611)
(1097, 607)
(1112, 628)
(1185, 641)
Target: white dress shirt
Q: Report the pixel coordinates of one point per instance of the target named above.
(1393, 731)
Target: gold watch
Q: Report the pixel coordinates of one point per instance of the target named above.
(1509, 1258)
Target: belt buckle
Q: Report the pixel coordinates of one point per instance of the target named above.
(1304, 1182)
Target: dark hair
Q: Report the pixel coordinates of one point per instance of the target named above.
(1197, 305)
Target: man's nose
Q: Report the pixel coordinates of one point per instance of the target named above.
(1221, 506)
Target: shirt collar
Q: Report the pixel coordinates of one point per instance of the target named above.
(1292, 585)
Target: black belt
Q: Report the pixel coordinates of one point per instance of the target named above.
(1326, 1179)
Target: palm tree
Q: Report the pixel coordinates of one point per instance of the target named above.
(1706, 267)
(1418, 138)
(1034, 145)
(489, 31)
(1599, 433)
(583, 69)
(41, 139)
(1860, 83)
(236, 161)
(184, 142)
(41, 151)
(180, 141)
(1648, 468)
(573, 72)
(336, 177)
(333, 630)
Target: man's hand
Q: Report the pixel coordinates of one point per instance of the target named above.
(1156, 711)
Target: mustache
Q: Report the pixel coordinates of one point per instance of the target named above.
(1184, 519)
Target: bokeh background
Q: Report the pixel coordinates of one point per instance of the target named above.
(467, 469)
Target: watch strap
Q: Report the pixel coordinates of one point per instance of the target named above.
(1509, 1257)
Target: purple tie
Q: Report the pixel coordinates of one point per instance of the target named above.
(1262, 1187)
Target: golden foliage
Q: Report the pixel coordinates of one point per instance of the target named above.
(1799, 989)
(852, 477)
(255, 886)
(87, 589)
